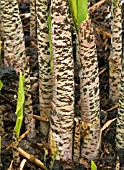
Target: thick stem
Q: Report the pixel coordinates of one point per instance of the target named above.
(115, 59)
(89, 91)
(63, 82)
(45, 75)
(14, 53)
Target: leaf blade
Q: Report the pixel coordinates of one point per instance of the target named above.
(82, 9)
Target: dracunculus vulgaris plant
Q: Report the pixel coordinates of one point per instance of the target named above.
(1, 124)
(89, 80)
(33, 18)
(120, 120)
(118, 62)
(45, 74)
(115, 59)
(61, 125)
(15, 55)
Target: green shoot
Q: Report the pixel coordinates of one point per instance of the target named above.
(44, 158)
(79, 10)
(50, 41)
(20, 105)
(1, 84)
(93, 166)
(53, 160)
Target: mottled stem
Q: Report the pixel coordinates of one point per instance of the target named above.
(115, 59)
(33, 18)
(63, 83)
(89, 92)
(45, 75)
(14, 53)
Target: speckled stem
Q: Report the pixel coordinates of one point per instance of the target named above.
(33, 18)
(63, 83)
(77, 139)
(89, 92)
(115, 59)
(14, 53)
(45, 75)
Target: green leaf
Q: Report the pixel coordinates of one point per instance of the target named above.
(19, 122)
(1, 84)
(73, 8)
(82, 8)
(93, 166)
(20, 104)
(21, 96)
(79, 10)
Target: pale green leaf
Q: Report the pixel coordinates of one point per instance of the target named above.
(1, 84)
(73, 8)
(20, 105)
(79, 10)
(93, 166)
(19, 122)
(82, 8)
(21, 96)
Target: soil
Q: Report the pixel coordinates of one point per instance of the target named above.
(8, 97)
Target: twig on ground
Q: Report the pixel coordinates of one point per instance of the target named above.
(96, 6)
(40, 118)
(31, 158)
(20, 138)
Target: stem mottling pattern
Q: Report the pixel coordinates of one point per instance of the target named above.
(89, 92)
(63, 82)
(14, 53)
(45, 74)
(115, 59)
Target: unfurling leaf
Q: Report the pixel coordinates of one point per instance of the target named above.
(20, 104)
(79, 10)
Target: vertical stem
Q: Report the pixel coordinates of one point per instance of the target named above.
(115, 59)
(77, 137)
(14, 45)
(16, 156)
(1, 124)
(63, 82)
(33, 18)
(89, 91)
(28, 108)
(120, 116)
(45, 75)
(14, 53)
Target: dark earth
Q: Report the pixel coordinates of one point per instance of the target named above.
(8, 97)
